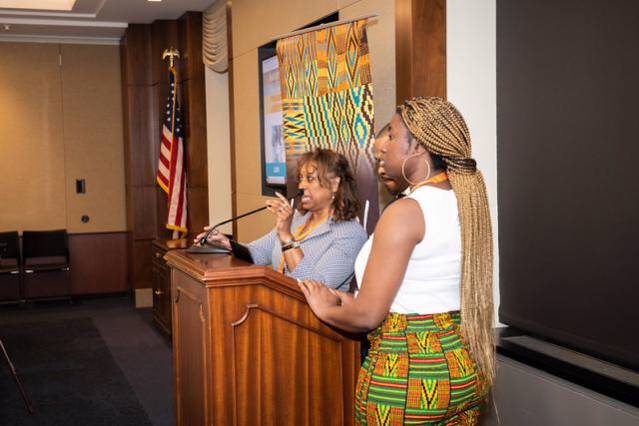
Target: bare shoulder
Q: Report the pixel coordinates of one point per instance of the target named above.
(401, 221)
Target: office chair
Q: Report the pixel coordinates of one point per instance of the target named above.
(45, 263)
(10, 280)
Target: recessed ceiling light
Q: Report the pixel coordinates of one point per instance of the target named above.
(154, 0)
(38, 4)
(6, 27)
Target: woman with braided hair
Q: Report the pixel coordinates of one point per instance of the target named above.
(425, 280)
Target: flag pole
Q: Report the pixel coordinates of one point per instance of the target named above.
(173, 53)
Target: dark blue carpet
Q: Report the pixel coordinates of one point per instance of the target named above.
(69, 374)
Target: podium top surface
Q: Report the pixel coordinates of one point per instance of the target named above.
(219, 269)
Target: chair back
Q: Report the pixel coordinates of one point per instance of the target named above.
(9, 245)
(45, 244)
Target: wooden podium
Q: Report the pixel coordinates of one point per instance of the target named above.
(247, 349)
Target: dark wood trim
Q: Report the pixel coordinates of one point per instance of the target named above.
(145, 87)
(229, 30)
(420, 48)
(99, 263)
(124, 231)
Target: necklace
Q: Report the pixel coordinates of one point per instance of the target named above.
(438, 178)
(302, 231)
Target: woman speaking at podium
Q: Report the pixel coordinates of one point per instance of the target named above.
(321, 238)
(425, 280)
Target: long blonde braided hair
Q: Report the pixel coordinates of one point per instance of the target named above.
(439, 127)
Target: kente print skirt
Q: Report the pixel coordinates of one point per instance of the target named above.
(418, 371)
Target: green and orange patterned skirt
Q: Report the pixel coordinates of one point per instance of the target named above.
(418, 371)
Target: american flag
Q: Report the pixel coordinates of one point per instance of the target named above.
(171, 168)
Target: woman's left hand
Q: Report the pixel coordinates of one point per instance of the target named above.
(284, 213)
(318, 296)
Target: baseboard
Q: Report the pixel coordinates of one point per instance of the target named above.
(143, 297)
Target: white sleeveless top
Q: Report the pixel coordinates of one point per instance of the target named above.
(433, 275)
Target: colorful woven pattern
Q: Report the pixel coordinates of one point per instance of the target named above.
(418, 371)
(327, 95)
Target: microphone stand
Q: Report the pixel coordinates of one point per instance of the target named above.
(204, 248)
(206, 236)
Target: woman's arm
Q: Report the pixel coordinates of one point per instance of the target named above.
(284, 214)
(400, 228)
(262, 248)
(333, 266)
(293, 257)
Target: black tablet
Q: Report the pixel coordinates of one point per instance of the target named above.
(241, 251)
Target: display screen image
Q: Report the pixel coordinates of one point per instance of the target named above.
(273, 137)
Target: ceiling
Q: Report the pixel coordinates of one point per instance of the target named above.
(92, 21)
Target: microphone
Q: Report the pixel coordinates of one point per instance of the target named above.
(206, 236)
(233, 219)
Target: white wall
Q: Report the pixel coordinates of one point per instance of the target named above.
(218, 139)
(472, 86)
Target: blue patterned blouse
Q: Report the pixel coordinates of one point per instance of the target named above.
(329, 251)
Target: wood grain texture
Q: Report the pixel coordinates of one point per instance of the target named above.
(429, 38)
(193, 95)
(99, 263)
(190, 43)
(144, 217)
(420, 43)
(403, 49)
(161, 211)
(164, 34)
(191, 346)
(229, 33)
(162, 316)
(142, 141)
(141, 272)
(265, 358)
(144, 105)
(198, 209)
(136, 55)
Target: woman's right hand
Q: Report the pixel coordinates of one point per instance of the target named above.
(284, 216)
(214, 237)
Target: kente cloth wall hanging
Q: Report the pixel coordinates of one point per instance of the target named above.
(327, 98)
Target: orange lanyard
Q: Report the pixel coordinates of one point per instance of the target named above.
(298, 235)
(438, 178)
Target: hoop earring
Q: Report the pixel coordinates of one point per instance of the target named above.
(404, 172)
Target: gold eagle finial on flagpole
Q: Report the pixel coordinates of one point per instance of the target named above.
(172, 53)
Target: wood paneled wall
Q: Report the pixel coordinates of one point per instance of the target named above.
(420, 41)
(191, 78)
(145, 88)
(98, 263)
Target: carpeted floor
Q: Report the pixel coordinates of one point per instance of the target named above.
(98, 361)
(70, 375)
